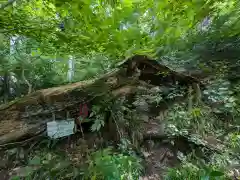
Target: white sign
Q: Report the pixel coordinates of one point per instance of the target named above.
(57, 129)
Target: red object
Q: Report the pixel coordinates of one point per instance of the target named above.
(83, 110)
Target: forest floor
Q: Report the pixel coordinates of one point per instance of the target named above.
(157, 155)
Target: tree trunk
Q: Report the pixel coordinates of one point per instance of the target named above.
(28, 116)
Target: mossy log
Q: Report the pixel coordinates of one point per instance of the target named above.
(27, 116)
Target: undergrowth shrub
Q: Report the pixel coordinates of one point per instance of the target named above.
(193, 168)
(49, 166)
(182, 122)
(105, 165)
(192, 172)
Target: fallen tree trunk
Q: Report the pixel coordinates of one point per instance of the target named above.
(27, 117)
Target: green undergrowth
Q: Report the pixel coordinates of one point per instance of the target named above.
(218, 123)
(192, 172)
(197, 124)
(103, 164)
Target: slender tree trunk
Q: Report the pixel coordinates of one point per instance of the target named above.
(26, 81)
(70, 68)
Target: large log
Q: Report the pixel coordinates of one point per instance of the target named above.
(27, 116)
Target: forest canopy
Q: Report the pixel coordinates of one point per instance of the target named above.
(115, 28)
(105, 32)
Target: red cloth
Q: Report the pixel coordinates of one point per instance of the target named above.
(83, 110)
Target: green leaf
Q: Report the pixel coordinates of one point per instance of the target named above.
(35, 161)
(15, 178)
(216, 174)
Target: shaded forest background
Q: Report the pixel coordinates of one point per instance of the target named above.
(52, 43)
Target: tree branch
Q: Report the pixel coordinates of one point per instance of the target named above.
(10, 2)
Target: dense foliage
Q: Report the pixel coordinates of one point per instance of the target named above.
(99, 33)
(44, 42)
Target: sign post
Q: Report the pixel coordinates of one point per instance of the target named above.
(61, 128)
